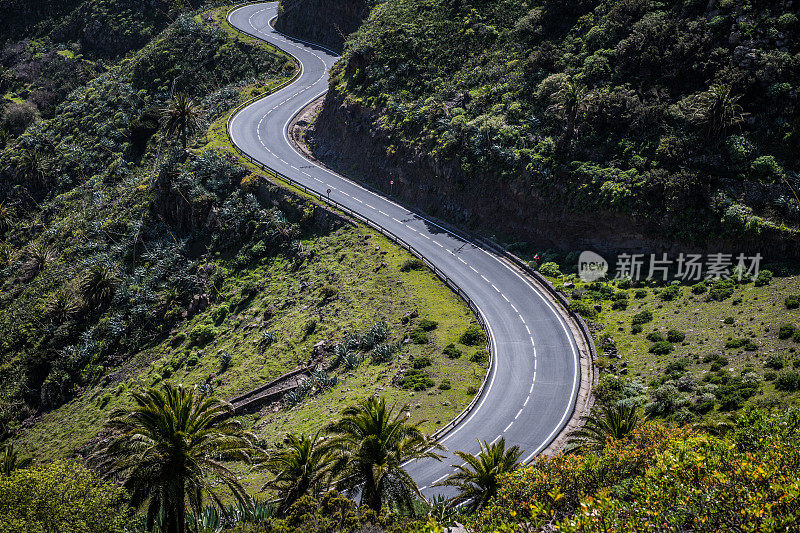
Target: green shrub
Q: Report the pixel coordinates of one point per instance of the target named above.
(225, 359)
(796, 336)
(745, 343)
(445, 384)
(427, 324)
(62, 496)
(700, 288)
(770, 376)
(412, 264)
(764, 278)
(219, 313)
(481, 356)
(792, 302)
(418, 336)
(309, 327)
(721, 359)
(192, 360)
(421, 362)
(416, 379)
(788, 381)
(721, 290)
(661, 348)
(728, 320)
(452, 352)
(202, 334)
(640, 294)
(473, 336)
(655, 336)
(472, 389)
(328, 291)
(550, 269)
(636, 329)
(642, 317)
(674, 335)
(786, 331)
(178, 339)
(619, 305)
(583, 308)
(774, 361)
(670, 293)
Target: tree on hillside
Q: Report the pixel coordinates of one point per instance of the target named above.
(369, 446)
(6, 218)
(98, 283)
(570, 101)
(477, 480)
(182, 117)
(10, 460)
(32, 167)
(167, 448)
(301, 467)
(718, 110)
(610, 422)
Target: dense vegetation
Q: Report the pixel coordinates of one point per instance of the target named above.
(682, 115)
(106, 221)
(664, 478)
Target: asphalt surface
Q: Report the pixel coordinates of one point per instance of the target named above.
(533, 384)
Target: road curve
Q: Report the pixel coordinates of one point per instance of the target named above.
(532, 386)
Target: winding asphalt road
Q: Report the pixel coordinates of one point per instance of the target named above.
(533, 384)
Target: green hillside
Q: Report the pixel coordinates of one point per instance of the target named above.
(679, 118)
(127, 262)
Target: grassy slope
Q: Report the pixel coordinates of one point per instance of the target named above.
(350, 259)
(757, 312)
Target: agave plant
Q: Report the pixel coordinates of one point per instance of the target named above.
(267, 338)
(352, 361)
(340, 352)
(385, 352)
(324, 380)
(294, 397)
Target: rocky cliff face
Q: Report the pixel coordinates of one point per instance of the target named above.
(327, 22)
(346, 136)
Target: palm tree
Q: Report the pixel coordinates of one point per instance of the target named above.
(37, 257)
(369, 445)
(10, 460)
(718, 109)
(98, 284)
(301, 467)
(478, 479)
(168, 446)
(63, 304)
(32, 166)
(570, 101)
(6, 218)
(182, 117)
(611, 422)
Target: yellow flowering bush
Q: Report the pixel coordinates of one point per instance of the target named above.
(63, 496)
